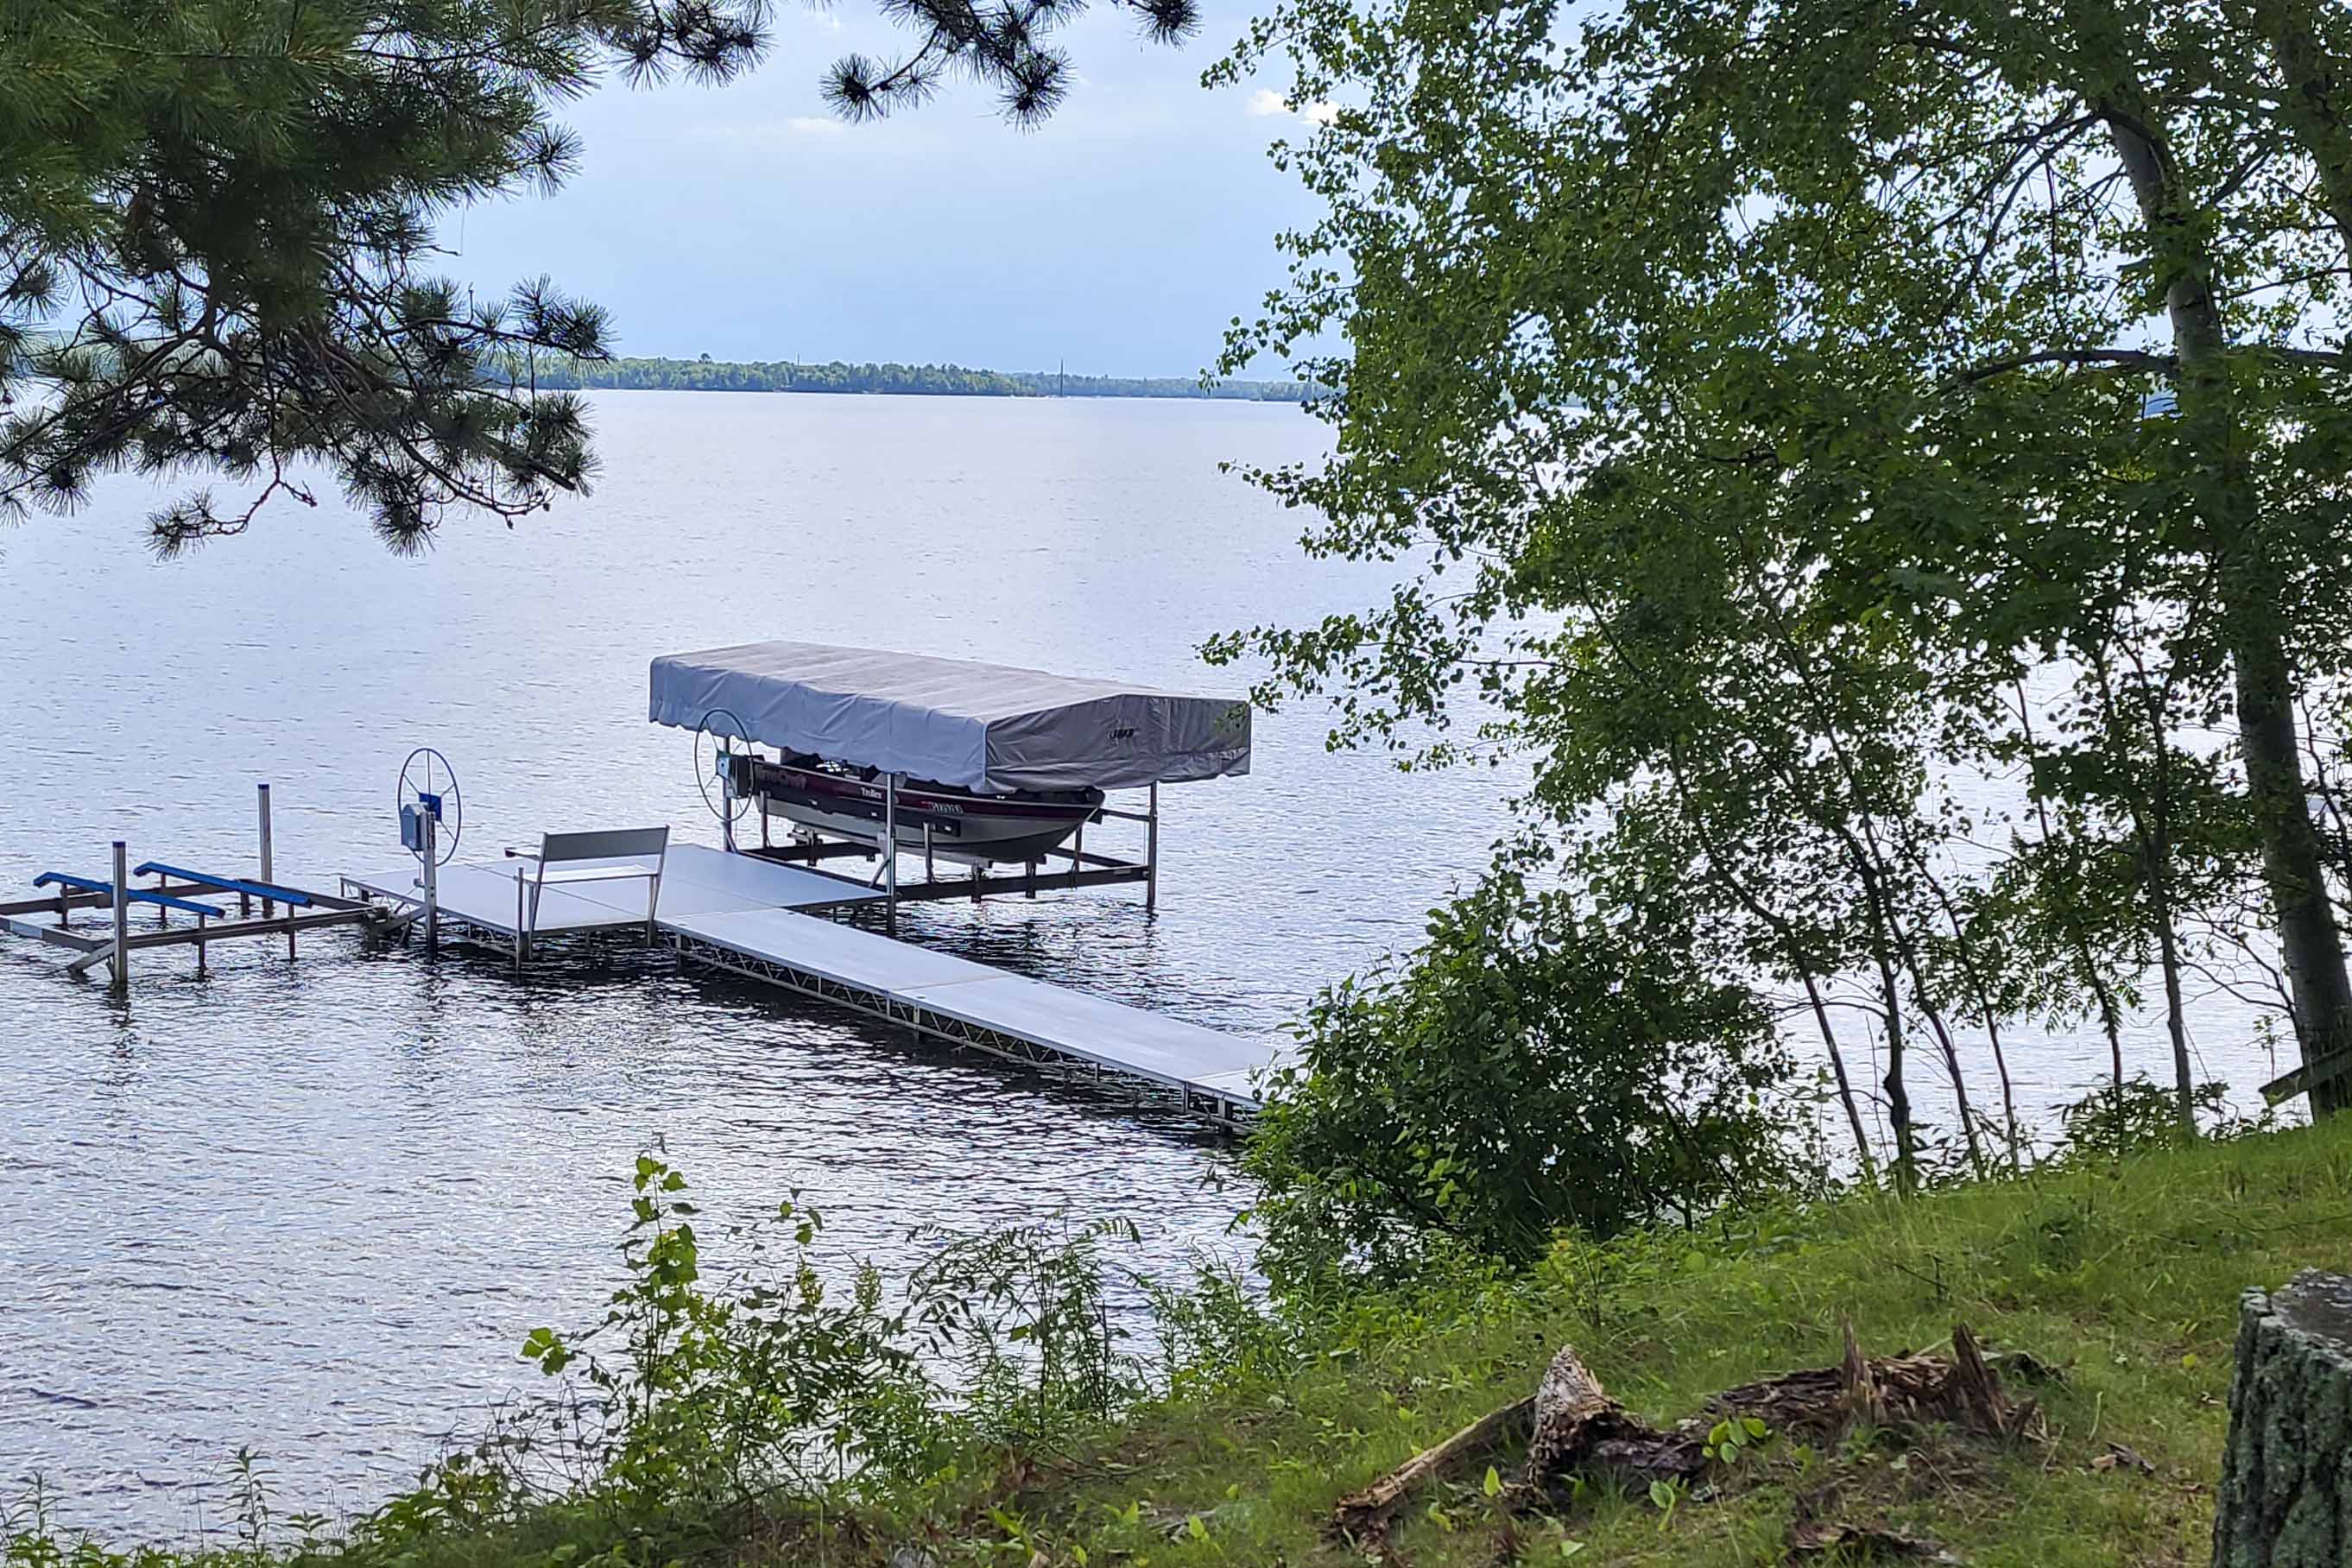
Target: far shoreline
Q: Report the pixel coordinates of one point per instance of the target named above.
(886, 379)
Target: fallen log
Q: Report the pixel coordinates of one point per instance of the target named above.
(1579, 1430)
(1366, 1515)
(1576, 1430)
(1886, 1391)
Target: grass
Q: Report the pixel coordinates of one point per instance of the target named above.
(2126, 1276)
(2123, 1277)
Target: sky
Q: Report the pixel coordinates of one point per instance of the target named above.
(748, 222)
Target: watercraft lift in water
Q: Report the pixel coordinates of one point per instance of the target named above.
(980, 765)
(200, 895)
(878, 755)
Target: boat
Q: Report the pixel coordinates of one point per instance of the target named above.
(930, 817)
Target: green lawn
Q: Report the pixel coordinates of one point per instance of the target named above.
(2126, 1278)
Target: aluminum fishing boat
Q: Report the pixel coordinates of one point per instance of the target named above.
(953, 824)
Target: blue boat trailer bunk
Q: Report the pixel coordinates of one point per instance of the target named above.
(201, 895)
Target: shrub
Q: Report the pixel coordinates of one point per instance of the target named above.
(1535, 1066)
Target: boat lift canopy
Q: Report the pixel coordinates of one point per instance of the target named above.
(982, 727)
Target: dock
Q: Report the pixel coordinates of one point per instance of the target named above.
(997, 770)
(757, 918)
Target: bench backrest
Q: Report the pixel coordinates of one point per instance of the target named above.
(610, 844)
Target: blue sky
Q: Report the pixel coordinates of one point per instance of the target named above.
(746, 222)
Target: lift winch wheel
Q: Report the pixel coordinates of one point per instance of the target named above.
(719, 727)
(427, 773)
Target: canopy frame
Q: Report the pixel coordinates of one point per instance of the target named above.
(1088, 868)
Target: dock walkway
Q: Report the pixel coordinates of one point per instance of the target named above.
(749, 916)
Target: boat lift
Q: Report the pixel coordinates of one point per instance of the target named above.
(977, 732)
(201, 895)
(805, 847)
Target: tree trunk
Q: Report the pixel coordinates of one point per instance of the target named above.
(2317, 101)
(2309, 940)
(1951, 1054)
(1845, 1085)
(2285, 1497)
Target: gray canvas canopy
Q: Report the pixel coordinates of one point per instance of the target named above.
(982, 727)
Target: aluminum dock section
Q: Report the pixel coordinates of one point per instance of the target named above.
(970, 1004)
(695, 880)
(742, 914)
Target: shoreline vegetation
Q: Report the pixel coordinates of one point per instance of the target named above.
(707, 375)
(988, 1410)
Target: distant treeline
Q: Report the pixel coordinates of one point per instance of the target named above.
(923, 380)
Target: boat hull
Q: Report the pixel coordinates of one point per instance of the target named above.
(951, 825)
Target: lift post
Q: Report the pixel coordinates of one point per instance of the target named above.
(266, 874)
(121, 890)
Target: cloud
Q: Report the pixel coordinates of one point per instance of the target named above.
(1266, 100)
(812, 125)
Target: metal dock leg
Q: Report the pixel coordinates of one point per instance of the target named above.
(891, 849)
(1151, 854)
(121, 959)
(432, 887)
(267, 904)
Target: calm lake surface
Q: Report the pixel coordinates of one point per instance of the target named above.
(313, 1208)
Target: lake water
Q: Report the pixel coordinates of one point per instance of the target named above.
(313, 1208)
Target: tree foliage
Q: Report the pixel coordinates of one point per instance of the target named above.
(216, 225)
(1541, 1063)
(1810, 421)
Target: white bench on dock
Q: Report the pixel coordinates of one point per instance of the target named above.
(562, 859)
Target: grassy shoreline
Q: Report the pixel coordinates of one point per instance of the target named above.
(2124, 1275)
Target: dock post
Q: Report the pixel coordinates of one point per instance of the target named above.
(1151, 853)
(267, 874)
(121, 958)
(891, 849)
(432, 890)
(200, 947)
(727, 801)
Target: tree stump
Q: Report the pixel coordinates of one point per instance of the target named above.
(2285, 1497)
(1579, 1429)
